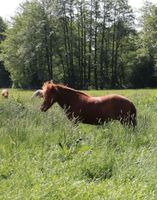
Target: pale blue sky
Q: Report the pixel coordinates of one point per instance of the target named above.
(8, 7)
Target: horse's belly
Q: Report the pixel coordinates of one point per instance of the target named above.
(94, 122)
(99, 115)
(95, 118)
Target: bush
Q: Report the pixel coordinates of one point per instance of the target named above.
(143, 74)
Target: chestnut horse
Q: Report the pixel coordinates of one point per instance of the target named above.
(88, 109)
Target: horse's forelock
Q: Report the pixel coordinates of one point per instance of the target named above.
(48, 86)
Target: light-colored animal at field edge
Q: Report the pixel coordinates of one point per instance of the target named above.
(38, 93)
(5, 93)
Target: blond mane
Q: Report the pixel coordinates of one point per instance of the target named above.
(49, 85)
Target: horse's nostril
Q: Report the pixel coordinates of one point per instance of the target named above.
(42, 109)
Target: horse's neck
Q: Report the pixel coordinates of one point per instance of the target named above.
(67, 96)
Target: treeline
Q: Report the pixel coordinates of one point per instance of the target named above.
(4, 75)
(82, 43)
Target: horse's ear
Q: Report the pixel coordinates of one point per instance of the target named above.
(50, 82)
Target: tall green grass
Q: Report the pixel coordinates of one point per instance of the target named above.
(45, 156)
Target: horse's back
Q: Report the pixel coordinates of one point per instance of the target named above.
(112, 101)
(111, 107)
(120, 103)
(123, 108)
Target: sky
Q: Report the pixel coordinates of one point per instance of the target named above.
(9, 7)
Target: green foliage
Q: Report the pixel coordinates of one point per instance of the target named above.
(23, 47)
(149, 29)
(143, 73)
(83, 44)
(45, 156)
(4, 75)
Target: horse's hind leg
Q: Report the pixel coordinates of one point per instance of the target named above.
(129, 121)
(133, 120)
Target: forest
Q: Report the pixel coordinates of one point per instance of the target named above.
(85, 44)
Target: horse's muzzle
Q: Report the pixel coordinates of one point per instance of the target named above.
(43, 109)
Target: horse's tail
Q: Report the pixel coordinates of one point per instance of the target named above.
(133, 115)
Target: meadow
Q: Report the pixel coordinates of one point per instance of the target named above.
(44, 156)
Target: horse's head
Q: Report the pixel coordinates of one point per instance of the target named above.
(49, 94)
